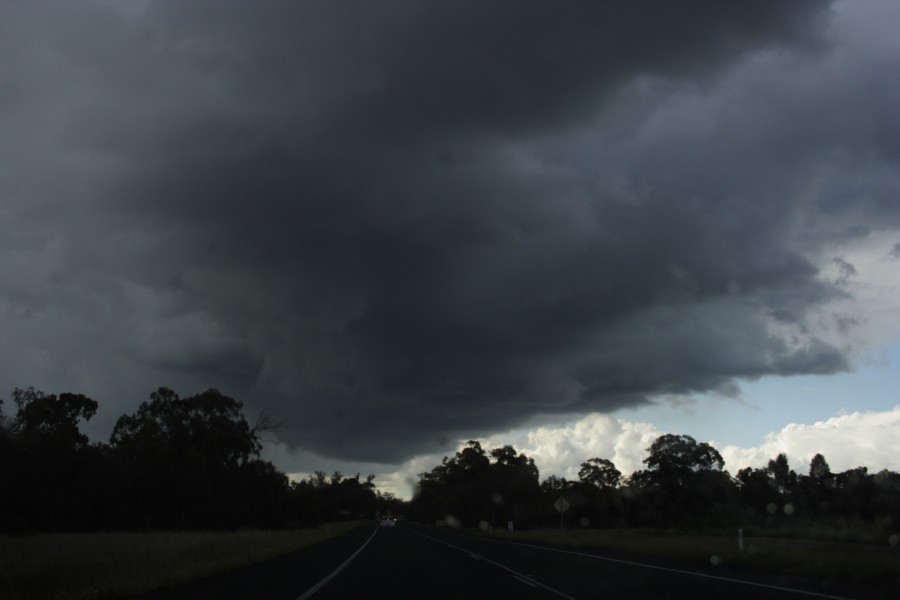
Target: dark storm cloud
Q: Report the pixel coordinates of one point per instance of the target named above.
(397, 223)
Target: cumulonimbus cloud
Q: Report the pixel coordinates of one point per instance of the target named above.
(397, 226)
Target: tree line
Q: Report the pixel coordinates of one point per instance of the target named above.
(175, 463)
(194, 463)
(683, 485)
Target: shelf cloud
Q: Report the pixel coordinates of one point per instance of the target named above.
(395, 225)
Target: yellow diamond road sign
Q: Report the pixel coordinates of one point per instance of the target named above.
(562, 505)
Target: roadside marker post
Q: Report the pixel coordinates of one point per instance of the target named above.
(562, 505)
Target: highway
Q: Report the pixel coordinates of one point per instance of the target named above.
(412, 561)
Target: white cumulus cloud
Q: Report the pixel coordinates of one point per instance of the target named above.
(868, 439)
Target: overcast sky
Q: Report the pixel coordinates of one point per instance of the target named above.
(396, 225)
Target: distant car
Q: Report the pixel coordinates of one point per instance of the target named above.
(387, 522)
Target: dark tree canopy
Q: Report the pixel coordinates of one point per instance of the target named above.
(46, 415)
(818, 468)
(599, 472)
(175, 463)
(782, 476)
(673, 459)
(193, 463)
(210, 425)
(45, 462)
(475, 487)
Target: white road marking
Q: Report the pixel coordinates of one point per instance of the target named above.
(668, 569)
(319, 585)
(525, 581)
(520, 576)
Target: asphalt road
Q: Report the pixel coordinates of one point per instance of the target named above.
(410, 561)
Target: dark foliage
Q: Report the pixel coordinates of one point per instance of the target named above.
(475, 488)
(194, 463)
(176, 463)
(683, 486)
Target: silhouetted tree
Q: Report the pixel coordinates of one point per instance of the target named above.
(474, 487)
(185, 457)
(513, 481)
(684, 482)
(174, 463)
(674, 459)
(318, 500)
(759, 497)
(783, 478)
(599, 472)
(51, 459)
(553, 485)
(9, 479)
(51, 418)
(817, 489)
(854, 495)
(819, 471)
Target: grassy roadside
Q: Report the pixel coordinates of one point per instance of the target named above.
(876, 564)
(118, 565)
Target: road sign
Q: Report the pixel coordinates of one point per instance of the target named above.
(562, 505)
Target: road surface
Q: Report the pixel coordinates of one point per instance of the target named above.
(411, 561)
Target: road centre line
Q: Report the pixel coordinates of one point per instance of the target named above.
(520, 576)
(668, 569)
(332, 575)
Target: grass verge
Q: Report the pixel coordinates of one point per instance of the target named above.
(869, 563)
(79, 566)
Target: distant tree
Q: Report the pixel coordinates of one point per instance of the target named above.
(9, 484)
(471, 459)
(758, 495)
(594, 498)
(467, 473)
(513, 481)
(683, 483)
(819, 471)
(48, 416)
(599, 472)
(553, 485)
(782, 477)
(886, 501)
(209, 424)
(674, 459)
(389, 504)
(855, 494)
(851, 477)
(817, 489)
(475, 487)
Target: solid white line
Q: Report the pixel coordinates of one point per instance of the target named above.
(669, 569)
(525, 581)
(520, 576)
(319, 585)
